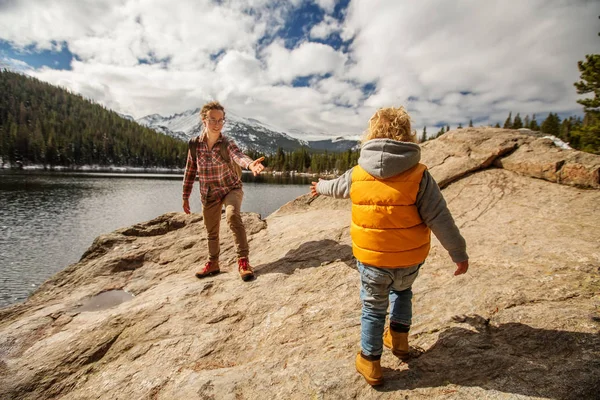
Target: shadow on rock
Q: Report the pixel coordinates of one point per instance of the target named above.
(510, 358)
(310, 255)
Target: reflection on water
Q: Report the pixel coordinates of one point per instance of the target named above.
(104, 301)
(284, 179)
(47, 220)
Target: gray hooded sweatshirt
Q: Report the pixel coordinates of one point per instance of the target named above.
(384, 158)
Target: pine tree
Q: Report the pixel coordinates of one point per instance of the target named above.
(497, 125)
(517, 123)
(526, 121)
(565, 129)
(551, 125)
(587, 137)
(447, 128)
(533, 125)
(459, 126)
(589, 83)
(470, 123)
(424, 135)
(508, 122)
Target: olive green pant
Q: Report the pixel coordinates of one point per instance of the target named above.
(212, 221)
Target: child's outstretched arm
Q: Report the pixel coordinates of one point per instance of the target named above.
(338, 187)
(436, 215)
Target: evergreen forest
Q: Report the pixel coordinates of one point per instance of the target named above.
(308, 161)
(47, 125)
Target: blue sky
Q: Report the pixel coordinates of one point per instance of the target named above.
(321, 67)
(34, 58)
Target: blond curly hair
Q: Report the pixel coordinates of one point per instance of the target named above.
(390, 123)
(212, 105)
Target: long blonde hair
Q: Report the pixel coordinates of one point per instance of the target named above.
(390, 123)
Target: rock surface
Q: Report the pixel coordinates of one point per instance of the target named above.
(464, 151)
(523, 323)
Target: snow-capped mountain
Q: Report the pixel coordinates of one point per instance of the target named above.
(248, 133)
(181, 126)
(337, 144)
(128, 117)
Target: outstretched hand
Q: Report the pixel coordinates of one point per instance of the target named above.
(461, 267)
(256, 167)
(313, 189)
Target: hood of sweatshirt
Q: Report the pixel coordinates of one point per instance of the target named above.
(384, 158)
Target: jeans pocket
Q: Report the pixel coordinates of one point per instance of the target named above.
(372, 274)
(416, 271)
(404, 279)
(373, 282)
(409, 279)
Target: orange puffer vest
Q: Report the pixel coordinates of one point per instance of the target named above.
(387, 230)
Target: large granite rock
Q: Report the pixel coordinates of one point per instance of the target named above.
(463, 151)
(523, 323)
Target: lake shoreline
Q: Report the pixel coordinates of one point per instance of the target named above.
(91, 168)
(142, 170)
(50, 218)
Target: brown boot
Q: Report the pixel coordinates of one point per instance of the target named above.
(210, 268)
(370, 370)
(398, 342)
(245, 269)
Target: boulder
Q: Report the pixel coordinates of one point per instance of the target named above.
(463, 151)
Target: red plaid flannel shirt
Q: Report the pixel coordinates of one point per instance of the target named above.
(215, 175)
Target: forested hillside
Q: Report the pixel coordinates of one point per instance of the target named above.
(44, 124)
(308, 160)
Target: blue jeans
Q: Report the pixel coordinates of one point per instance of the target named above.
(380, 287)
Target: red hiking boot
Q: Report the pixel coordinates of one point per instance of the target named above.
(210, 268)
(245, 269)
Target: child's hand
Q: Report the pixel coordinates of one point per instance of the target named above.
(461, 267)
(313, 189)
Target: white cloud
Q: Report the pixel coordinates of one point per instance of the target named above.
(238, 71)
(13, 65)
(327, 5)
(509, 55)
(503, 56)
(336, 91)
(144, 89)
(307, 59)
(325, 28)
(24, 22)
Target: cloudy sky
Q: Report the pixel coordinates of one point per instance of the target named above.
(317, 66)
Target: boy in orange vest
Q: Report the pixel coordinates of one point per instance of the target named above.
(396, 204)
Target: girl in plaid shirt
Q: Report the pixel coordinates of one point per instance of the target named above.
(219, 185)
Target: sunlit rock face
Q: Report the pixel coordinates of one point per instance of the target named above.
(523, 323)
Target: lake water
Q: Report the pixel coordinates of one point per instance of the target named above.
(47, 220)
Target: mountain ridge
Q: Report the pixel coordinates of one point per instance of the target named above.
(248, 133)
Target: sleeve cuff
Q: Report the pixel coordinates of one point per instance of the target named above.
(459, 256)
